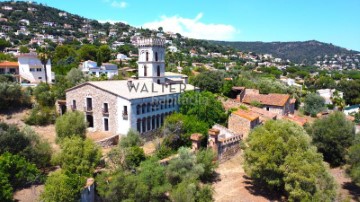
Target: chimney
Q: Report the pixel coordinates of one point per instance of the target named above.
(196, 140)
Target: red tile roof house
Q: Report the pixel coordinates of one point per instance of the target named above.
(280, 104)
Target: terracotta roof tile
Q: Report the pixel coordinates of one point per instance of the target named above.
(196, 136)
(297, 119)
(269, 99)
(9, 64)
(249, 115)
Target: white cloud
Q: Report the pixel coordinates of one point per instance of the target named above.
(119, 4)
(193, 28)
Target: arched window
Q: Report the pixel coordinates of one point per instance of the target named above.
(147, 56)
(158, 70)
(138, 125)
(148, 123)
(156, 56)
(148, 107)
(153, 124)
(138, 109)
(143, 108)
(145, 70)
(143, 125)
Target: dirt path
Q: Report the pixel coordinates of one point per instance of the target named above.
(233, 185)
(347, 191)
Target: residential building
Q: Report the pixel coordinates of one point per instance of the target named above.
(31, 70)
(352, 109)
(107, 69)
(9, 68)
(173, 49)
(118, 106)
(328, 94)
(242, 121)
(172, 77)
(7, 8)
(280, 104)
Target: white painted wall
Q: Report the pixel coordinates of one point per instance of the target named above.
(30, 61)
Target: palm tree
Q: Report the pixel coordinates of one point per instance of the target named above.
(338, 100)
(44, 56)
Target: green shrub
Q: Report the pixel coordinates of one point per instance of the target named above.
(13, 96)
(70, 124)
(62, 187)
(134, 156)
(78, 156)
(131, 139)
(17, 170)
(41, 116)
(43, 95)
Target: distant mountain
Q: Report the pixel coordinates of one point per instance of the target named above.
(297, 52)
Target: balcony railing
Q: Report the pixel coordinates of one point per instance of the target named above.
(125, 115)
(105, 111)
(88, 109)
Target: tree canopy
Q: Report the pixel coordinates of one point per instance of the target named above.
(280, 158)
(314, 104)
(332, 135)
(212, 81)
(203, 105)
(71, 124)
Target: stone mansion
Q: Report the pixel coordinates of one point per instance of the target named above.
(141, 104)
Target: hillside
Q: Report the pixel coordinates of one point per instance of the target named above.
(34, 25)
(298, 52)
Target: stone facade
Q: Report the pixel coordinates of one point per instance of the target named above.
(223, 142)
(242, 125)
(107, 142)
(76, 100)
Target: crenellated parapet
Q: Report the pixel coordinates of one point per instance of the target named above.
(149, 42)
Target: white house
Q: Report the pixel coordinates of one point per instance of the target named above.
(121, 56)
(31, 70)
(328, 94)
(173, 49)
(108, 69)
(352, 109)
(119, 105)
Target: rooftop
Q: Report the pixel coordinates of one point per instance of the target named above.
(247, 114)
(9, 64)
(175, 74)
(136, 89)
(352, 107)
(267, 99)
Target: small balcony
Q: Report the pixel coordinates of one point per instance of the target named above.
(105, 111)
(88, 109)
(125, 115)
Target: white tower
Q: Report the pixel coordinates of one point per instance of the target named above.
(151, 63)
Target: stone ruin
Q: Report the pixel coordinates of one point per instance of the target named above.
(221, 140)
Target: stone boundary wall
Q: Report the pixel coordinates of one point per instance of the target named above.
(228, 148)
(109, 141)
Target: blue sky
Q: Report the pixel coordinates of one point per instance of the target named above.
(330, 21)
